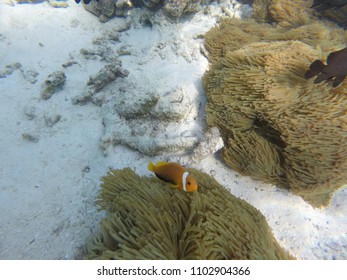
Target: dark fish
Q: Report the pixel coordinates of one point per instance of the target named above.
(85, 1)
(326, 4)
(336, 68)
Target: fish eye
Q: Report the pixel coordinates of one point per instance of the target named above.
(188, 183)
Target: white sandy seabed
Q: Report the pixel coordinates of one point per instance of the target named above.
(51, 158)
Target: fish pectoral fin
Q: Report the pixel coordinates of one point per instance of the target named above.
(321, 77)
(173, 186)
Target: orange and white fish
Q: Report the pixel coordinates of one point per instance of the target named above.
(174, 174)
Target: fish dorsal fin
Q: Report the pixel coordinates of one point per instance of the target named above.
(333, 56)
(184, 180)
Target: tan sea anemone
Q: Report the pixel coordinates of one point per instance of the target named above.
(286, 13)
(277, 126)
(149, 220)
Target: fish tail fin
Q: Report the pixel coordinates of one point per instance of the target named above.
(338, 80)
(150, 166)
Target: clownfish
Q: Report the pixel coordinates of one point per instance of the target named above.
(174, 174)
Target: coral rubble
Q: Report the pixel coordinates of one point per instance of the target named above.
(176, 8)
(53, 3)
(54, 82)
(106, 9)
(9, 69)
(152, 116)
(277, 126)
(149, 220)
(97, 82)
(145, 121)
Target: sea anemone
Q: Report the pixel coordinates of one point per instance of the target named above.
(146, 219)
